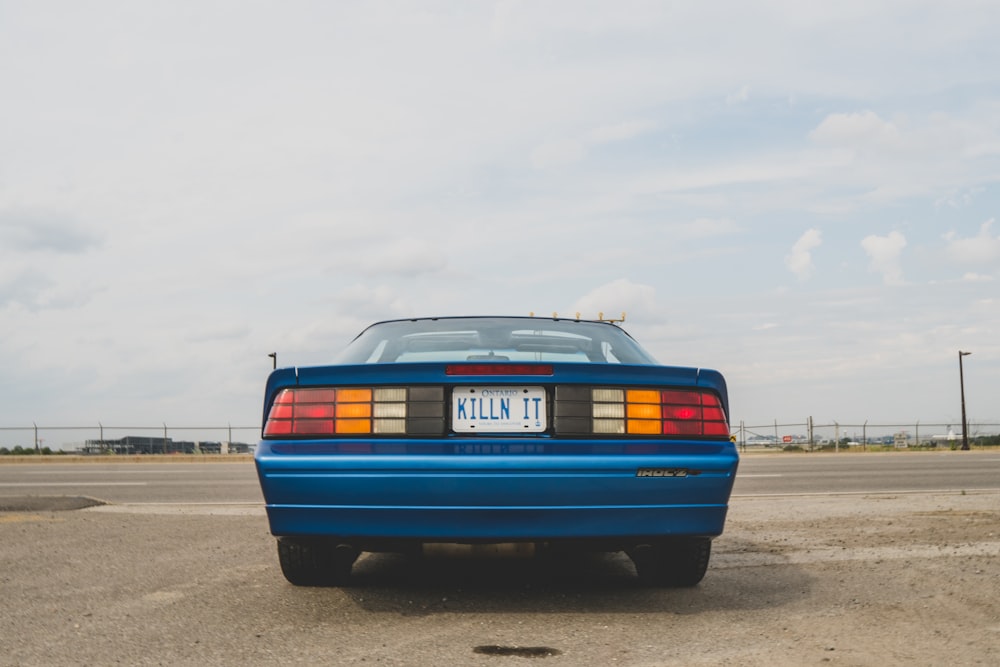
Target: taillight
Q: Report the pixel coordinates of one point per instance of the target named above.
(496, 368)
(657, 412)
(338, 411)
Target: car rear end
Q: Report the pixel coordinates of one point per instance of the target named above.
(387, 456)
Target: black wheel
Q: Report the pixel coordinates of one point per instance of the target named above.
(675, 563)
(315, 562)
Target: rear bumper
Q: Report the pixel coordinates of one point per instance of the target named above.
(460, 498)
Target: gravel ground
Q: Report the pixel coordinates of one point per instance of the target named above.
(905, 579)
(894, 579)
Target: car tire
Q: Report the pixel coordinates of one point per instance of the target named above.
(316, 562)
(675, 563)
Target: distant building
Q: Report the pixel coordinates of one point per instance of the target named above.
(761, 441)
(140, 444)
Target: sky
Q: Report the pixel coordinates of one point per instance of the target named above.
(802, 195)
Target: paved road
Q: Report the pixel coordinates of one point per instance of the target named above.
(236, 483)
(182, 571)
(131, 482)
(866, 473)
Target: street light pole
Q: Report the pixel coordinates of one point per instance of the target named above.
(274, 360)
(961, 384)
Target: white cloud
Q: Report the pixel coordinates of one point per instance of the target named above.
(863, 130)
(557, 153)
(742, 95)
(404, 257)
(23, 286)
(875, 161)
(221, 332)
(799, 261)
(707, 228)
(39, 231)
(616, 297)
(365, 303)
(618, 132)
(764, 170)
(296, 172)
(884, 254)
(981, 249)
(959, 198)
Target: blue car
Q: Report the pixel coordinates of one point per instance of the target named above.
(560, 433)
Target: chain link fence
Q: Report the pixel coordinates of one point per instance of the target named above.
(809, 435)
(229, 439)
(101, 439)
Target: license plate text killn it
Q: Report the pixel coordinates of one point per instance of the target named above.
(498, 409)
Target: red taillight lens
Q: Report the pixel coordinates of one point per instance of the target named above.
(325, 411)
(658, 412)
(694, 413)
(498, 369)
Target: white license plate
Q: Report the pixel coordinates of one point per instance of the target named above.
(498, 409)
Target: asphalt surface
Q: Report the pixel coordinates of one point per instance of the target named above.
(236, 483)
(874, 559)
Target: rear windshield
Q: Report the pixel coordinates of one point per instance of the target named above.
(494, 339)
